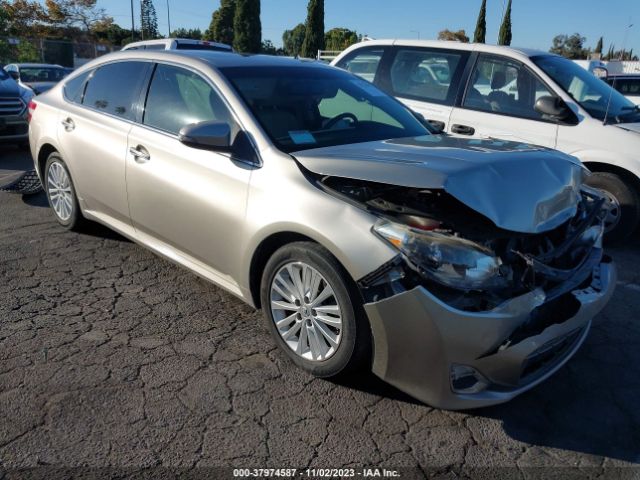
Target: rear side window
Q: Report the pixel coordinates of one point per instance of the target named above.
(363, 62)
(179, 97)
(201, 46)
(428, 75)
(114, 88)
(627, 86)
(74, 88)
(156, 46)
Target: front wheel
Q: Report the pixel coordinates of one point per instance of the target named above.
(624, 212)
(313, 311)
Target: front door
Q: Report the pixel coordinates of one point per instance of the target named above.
(187, 203)
(499, 103)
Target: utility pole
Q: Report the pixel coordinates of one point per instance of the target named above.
(133, 26)
(169, 18)
(141, 20)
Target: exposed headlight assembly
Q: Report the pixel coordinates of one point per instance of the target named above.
(449, 260)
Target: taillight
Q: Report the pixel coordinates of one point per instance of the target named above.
(32, 108)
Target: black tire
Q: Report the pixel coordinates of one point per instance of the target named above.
(627, 198)
(354, 349)
(76, 222)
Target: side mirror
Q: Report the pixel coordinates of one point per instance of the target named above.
(214, 136)
(601, 72)
(553, 107)
(15, 75)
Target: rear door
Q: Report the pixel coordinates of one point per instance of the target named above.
(187, 203)
(92, 132)
(499, 103)
(427, 80)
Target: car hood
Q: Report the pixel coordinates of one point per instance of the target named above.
(519, 187)
(9, 88)
(632, 127)
(41, 87)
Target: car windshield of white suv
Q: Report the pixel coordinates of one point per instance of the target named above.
(311, 107)
(592, 93)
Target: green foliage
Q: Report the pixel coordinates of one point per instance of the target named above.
(314, 29)
(221, 27)
(26, 52)
(480, 34)
(5, 52)
(599, 46)
(192, 33)
(247, 29)
(148, 20)
(570, 46)
(75, 13)
(292, 40)
(504, 38)
(459, 36)
(338, 39)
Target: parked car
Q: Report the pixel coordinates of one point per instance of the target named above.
(463, 271)
(14, 101)
(178, 44)
(520, 95)
(627, 84)
(38, 77)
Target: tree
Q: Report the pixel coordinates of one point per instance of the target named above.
(26, 52)
(268, 48)
(338, 39)
(22, 16)
(193, 33)
(570, 46)
(292, 40)
(479, 36)
(504, 38)
(221, 27)
(148, 20)
(76, 13)
(314, 29)
(599, 46)
(247, 29)
(459, 36)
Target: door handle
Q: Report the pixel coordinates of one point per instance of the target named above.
(140, 154)
(463, 129)
(68, 124)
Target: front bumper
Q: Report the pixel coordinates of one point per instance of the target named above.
(418, 339)
(14, 129)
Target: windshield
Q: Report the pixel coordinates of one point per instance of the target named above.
(30, 74)
(593, 94)
(311, 107)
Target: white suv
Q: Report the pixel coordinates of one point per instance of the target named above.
(516, 94)
(178, 44)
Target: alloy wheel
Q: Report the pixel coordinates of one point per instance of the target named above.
(59, 190)
(306, 311)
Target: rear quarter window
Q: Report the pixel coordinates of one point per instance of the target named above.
(74, 88)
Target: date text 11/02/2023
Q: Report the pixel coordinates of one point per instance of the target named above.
(314, 473)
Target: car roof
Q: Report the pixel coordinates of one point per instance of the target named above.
(36, 65)
(474, 47)
(212, 58)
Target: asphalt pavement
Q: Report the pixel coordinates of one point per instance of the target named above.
(114, 359)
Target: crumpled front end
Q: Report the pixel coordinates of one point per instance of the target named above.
(470, 314)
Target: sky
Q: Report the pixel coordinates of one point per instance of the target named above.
(534, 22)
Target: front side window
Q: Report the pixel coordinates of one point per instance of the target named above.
(363, 63)
(179, 97)
(504, 86)
(313, 106)
(114, 88)
(429, 75)
(594, 95)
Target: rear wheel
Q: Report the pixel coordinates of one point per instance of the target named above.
(624, 212)
(61, 193)
(313, 312)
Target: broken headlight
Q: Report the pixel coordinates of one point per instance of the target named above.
(449, 260)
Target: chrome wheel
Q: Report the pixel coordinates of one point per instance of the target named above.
(614, 212)
(306, 311)
(59, 191)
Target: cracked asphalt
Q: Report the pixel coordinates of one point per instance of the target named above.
(112, 358)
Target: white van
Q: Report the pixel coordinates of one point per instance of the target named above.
(178, 44)
(520, 95)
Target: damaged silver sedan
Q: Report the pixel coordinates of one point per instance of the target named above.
(462, 271)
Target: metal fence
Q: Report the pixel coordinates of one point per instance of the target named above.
(62, 52)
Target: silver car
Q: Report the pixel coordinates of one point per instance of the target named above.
(462, 271)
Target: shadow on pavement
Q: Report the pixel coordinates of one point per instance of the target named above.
(38, 200)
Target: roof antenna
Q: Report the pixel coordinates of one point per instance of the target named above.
(613, 85)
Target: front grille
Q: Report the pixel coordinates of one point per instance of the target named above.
(10, 106)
